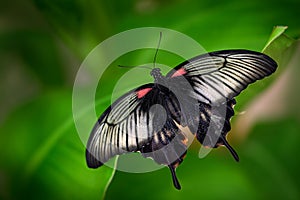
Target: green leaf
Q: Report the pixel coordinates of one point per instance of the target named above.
(281, 48)
(43, 157)
(277, 32)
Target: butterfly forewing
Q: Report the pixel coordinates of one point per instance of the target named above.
(139, 118)
(222, 75)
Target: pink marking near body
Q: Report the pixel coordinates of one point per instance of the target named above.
(179, 72)
(142, 92)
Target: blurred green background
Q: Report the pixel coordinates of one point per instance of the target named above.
(42, 44)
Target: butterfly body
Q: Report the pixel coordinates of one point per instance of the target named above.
(158, 77)
(198, 95)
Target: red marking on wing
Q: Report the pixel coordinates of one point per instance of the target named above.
(142, 92)
(179, 72)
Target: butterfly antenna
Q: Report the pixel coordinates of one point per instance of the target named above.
(154, 60)
(142, 66)
(155, 55)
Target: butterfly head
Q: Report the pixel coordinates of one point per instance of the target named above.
(156, 74)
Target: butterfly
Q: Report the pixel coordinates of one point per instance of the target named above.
(198, 94)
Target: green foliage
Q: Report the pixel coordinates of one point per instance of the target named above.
(38, 53)
(42, 43)
(43, 157)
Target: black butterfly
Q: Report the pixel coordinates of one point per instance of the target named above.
(198, 94)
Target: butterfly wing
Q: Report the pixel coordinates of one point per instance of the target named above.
(216, 78)
(221, 75)
(141, 120)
